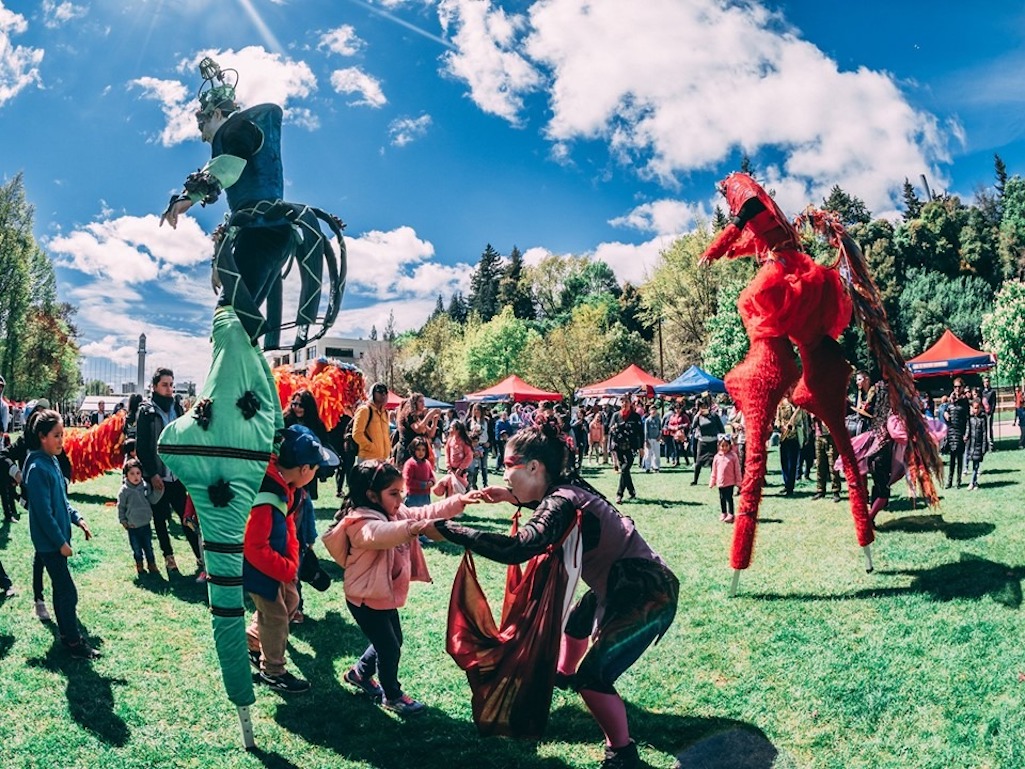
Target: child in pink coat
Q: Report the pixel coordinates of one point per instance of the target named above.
(725, 475)
(376, 541)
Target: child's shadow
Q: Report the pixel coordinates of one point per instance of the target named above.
(88, 499)
(370, 734)
(6, 643)
(181, 586)
(915, 524)
(90, 695)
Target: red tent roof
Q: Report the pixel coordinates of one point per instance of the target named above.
(512, 388)
(394, 401)
(630, 380)
(950, 356)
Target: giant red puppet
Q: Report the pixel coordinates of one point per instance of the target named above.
(793, 301)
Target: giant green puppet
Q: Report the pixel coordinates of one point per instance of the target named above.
(221, 448)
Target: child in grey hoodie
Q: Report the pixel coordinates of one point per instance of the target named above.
(136, 514)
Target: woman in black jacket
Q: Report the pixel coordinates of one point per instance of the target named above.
(957, 423)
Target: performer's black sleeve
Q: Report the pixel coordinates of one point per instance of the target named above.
(241, 139)
(551, 519)
(13, 456)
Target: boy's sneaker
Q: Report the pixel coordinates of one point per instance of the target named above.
(170, 563)
(254, 659)
(286, 683)
(405, 706)
(624, 758)
(41, 613)
(366, 685)
(83, 651)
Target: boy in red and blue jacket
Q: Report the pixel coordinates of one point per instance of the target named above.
(271, 551)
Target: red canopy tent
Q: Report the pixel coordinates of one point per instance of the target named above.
(512, 388)
(950, 356)
(632, 379)
(393, 402)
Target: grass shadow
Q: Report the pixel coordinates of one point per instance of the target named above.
(356, 729)
(5, 533)
(6, 643)
(698, 743)
(969, 578)
(984, 484)
(182, 586)
(90, 695)
(88, 499)
(271, 759)
(918, 524)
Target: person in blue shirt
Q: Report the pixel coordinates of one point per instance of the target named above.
(50, 517)
(503, 429)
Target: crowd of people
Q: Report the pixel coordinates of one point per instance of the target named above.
(404, 478)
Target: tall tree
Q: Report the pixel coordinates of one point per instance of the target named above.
(513, 289)
(851, 210)
(495, 349)
(1012, 229)
(439, 307)
(980, 247)
(484, 284)
(1000, 171)
(373, 333)
(912, 203)
(727, 340)
(931, 302)
(719, 219)
(457, 309)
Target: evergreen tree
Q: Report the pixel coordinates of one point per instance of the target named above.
(484, 284)
(439, 308)
(850, 209)
(389, 328)
(514, 290)
(457, 308)
(746, 166)
(719, 219)
(373, 333)
(1000, 170)
(912, 203)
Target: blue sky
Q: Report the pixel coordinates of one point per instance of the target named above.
(435, 127)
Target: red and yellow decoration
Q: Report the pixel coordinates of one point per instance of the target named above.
(94, 451)
(335, 386)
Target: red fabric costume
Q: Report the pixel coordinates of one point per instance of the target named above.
(795, 301)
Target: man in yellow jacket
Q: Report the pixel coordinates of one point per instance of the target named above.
(370, 429)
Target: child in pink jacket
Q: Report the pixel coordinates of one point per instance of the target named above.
(725, 475)
(376, 541)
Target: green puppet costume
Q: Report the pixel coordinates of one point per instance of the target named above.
(220, 451)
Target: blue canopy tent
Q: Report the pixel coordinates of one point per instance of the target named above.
(693, 380)
(431, 403)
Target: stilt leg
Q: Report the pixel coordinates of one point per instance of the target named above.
(736, 583)
(246, 723)
(758, 383)
(823, 391)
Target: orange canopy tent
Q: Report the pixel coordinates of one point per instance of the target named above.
(950, 356)
(632, 379)
(512, 388)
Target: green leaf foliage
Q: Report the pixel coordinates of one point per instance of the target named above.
(931, 303)
(1003, 331)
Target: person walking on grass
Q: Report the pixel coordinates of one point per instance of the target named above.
(135, 513)
(956, 416)
(977, 439)
(725, 476)
(707, 427)
(652, 441)
(50, 517)
(627, 437)
(376, 540)
(989, 409)
(270, 548)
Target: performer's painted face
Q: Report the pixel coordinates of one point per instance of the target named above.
(524, 478)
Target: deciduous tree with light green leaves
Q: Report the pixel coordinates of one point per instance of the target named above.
(931, 303)
(494, 350)
(727, 339)
(1003, 331)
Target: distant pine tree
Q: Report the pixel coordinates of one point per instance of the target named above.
(912, 204)
(850, 209)
(457, 308)
(1000, 170)
(484, 284)
(513, 290)
(719, 219)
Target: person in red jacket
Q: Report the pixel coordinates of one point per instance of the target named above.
(271, 551)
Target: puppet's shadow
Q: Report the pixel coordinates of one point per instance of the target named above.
(90, 695)
(917, 524)
(970, 578)
(181, 586)
(88, 499)
(6, 643)
(697, 743)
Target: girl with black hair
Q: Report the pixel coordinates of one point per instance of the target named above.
(376, 541)
(632, 597)
(50, 518)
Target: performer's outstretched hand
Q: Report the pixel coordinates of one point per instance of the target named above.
(472, 497)
(495, 494)
(176, 209)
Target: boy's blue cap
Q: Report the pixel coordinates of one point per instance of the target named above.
(300, 446)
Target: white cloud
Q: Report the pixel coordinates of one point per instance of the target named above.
(19, 65)
(409, 314)
(487, 55)
(354, 80)
(263, 77)
(342, 40)
(674, 86)
(132, 249)
(397, 263)
(55, 14)
(630, 262)
(662, 217)
(406, 130)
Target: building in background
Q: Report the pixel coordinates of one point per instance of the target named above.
(374, 357)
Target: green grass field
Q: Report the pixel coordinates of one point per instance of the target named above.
(814, 664)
